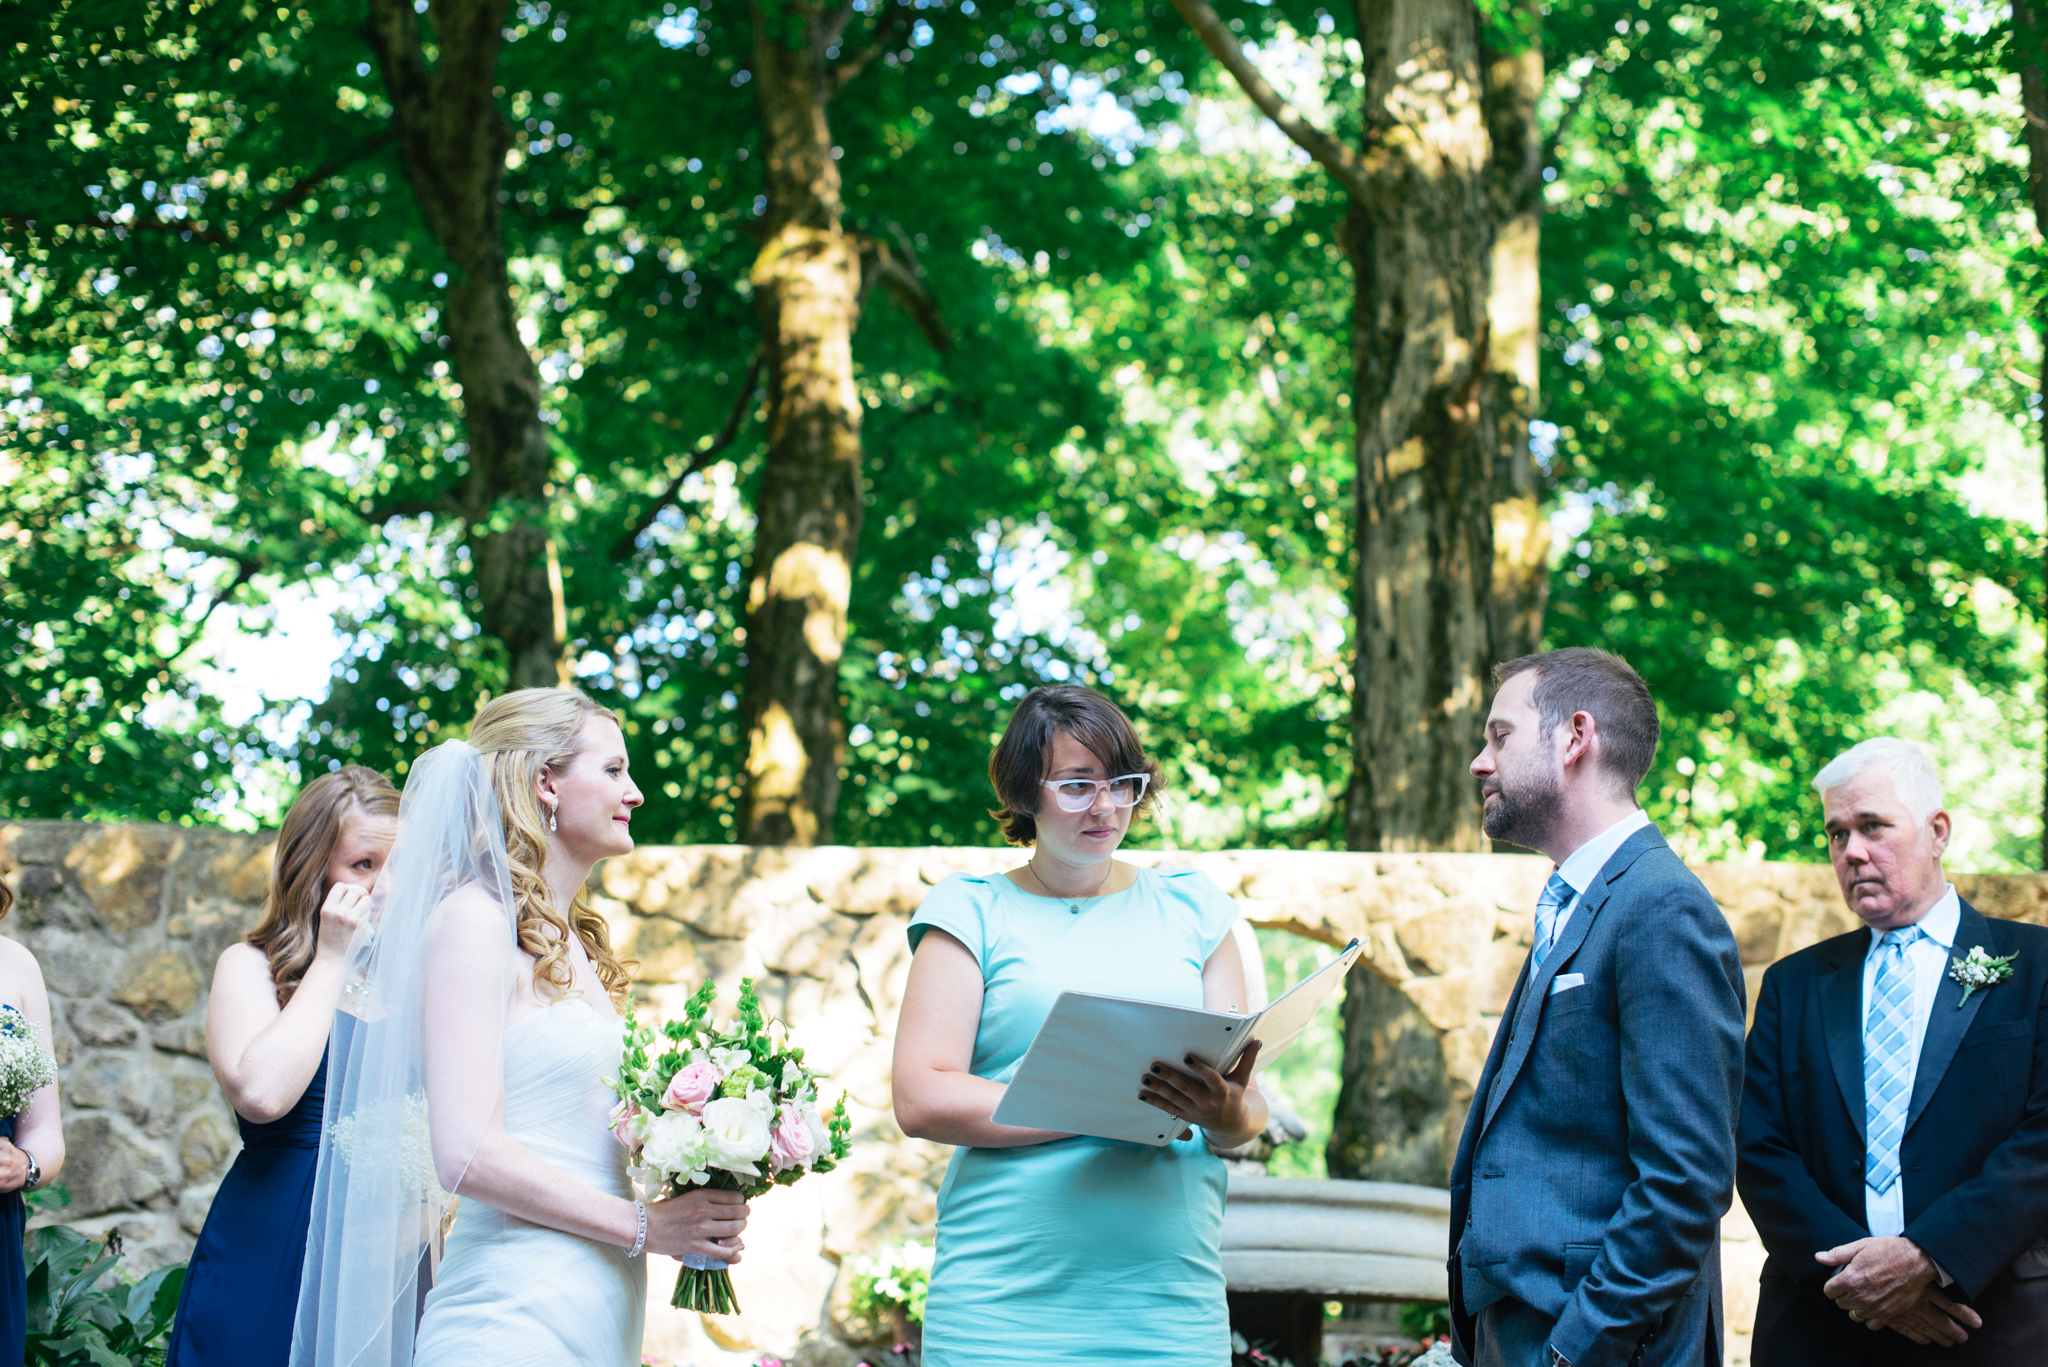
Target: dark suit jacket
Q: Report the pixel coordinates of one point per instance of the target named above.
(1974, 1159)
(1599, 1154)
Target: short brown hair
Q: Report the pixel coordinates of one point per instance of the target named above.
(1018, 765)
(1582, 679)
(290, 929)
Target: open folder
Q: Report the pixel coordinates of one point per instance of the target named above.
(1080, 1075)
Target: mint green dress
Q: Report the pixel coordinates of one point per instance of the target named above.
(1084, 1250)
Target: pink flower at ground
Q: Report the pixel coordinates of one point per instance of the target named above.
(689, 1089)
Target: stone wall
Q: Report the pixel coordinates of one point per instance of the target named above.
(127, 921)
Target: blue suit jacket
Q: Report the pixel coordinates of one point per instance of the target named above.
(1599, 1154)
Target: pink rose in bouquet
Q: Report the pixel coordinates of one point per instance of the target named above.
(623, 1116)
(690, 1088)
(796, 1139)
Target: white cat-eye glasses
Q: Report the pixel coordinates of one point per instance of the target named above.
(1078, 794)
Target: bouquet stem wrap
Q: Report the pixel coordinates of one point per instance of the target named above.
(732, 1109)
(705, 1286)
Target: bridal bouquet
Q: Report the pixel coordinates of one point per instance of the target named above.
(25, 1065)
(732, 1109)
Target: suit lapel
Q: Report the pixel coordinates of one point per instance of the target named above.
(1948, 1024)
(1526, 1014)
(1841, 1014)
(1476, 1118)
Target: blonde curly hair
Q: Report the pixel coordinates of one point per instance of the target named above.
(519, 735)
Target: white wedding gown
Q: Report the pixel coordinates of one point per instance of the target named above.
(510, 1293)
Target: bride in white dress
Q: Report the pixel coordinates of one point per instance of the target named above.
(487, 1023)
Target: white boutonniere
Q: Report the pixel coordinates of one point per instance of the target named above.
(1980, 970)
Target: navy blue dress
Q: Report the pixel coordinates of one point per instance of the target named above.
(242, 1287)
(13, 1270)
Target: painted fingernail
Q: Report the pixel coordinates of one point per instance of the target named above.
(1155, 1068)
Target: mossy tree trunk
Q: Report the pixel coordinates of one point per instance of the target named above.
(1436, 467)
(2032, 36)
(452, 141)
(810, 283)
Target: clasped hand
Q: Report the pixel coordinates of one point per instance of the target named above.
(1888, 1283)
(701, 1221)
(13, 1167)
(1201, 1095)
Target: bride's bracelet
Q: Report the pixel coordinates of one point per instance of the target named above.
(640, 1240)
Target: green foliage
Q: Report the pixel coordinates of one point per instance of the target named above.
(1308, 1074)
(1779, 333)
(83, 1312)
(1786, 275)
(225, 300)
(1425, 1319)
(889, 1287)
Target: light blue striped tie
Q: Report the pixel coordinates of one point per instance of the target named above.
(1887, 1056)
(1556, 893)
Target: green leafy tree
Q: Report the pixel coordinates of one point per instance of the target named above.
(1774, 309)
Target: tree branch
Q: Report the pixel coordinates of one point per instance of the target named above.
(1352, 170)
(900, 276)
(16, 219)
(247, 568)
(329, 168)
(1550, 144)
(837, 78)
(626, 544)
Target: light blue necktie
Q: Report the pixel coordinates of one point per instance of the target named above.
(1556, 894)
(1887, 1056)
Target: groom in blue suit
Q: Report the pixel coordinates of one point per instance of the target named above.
(1599, 1153)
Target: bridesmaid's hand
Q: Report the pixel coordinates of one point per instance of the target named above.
(13, 1167)
(700, 1221)
(340, 914)
(1201, 1095)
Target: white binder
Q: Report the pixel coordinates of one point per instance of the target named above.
(1081, 1073)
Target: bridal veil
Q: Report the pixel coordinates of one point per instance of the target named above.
(407, 1102)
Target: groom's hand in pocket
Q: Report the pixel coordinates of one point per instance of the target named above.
(700, 1221)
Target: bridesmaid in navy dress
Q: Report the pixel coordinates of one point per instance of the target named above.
(31, 1145)
(273, 1003)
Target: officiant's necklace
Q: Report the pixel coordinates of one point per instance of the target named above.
(1073, 903)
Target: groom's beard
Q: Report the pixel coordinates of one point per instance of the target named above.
(1525, 811)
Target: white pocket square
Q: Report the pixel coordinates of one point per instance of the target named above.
(1565, 982)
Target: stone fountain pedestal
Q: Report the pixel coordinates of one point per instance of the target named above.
(1291, 1244)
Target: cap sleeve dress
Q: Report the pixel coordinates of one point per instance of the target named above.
(1084, 1250)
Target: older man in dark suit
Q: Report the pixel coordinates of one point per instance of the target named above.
(1895, 1112)
(1599, 1154)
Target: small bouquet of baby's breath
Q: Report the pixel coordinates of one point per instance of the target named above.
(1977, 970)
(25, 1065)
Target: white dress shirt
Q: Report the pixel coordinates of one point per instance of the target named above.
(1583, 864)
(1928, 957)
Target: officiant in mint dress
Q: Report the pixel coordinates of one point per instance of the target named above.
(1052, 1248)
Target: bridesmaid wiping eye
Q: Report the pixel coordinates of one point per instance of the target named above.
(267, 1025)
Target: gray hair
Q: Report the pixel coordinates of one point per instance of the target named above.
(1913, 775)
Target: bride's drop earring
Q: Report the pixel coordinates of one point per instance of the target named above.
(551, 818)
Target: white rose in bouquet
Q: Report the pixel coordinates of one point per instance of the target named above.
(736, 1134)
(677, 1147)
